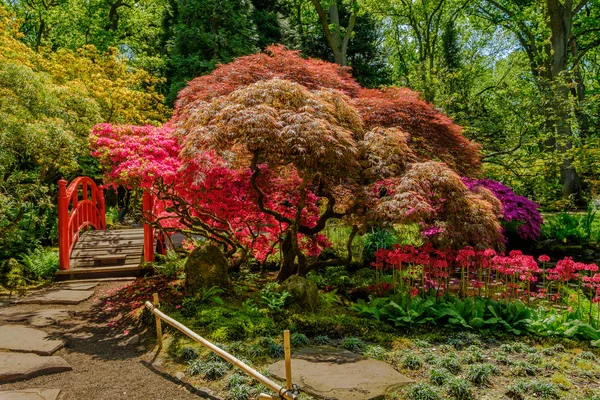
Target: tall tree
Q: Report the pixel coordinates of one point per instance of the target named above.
(555, 36)
(204, 33)
(337, 34)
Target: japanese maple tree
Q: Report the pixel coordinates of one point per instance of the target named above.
(264, 151)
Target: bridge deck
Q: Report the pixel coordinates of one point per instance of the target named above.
(107, 253)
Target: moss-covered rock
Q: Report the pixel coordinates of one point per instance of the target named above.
(305, 293)
(206, 267)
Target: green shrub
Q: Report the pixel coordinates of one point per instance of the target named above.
(189, 354)
(171, 265)
(439, 377)
(376, 352)
(209, 370)
(521, 368)
(275, 350)
(411, 361)
(422, 391)
(322, 340)
(40, 263)
(451, 363)
(299, 340)
(353, 344)
(460, 389)
(543, 390)
(274, 300)
(256, 351)
(239, 392)
(480, 374)
(237, 379)
(586, 355)
(378, 238)
(460, 340)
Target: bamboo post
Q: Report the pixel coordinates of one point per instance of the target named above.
(288, 359)
(159, 334)
(288, 395)
(264, 396)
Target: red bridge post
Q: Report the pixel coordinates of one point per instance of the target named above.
(63, 225)
(148, 207)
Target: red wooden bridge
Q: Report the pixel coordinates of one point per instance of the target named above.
(86, 248)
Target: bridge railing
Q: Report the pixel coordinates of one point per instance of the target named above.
(80, 207)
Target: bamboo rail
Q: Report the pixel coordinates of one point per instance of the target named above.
(282, 392)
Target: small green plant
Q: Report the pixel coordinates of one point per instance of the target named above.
(460, 389)
(480, 374)
(209, 370)
(274, 300)
(299, 340)
(275, 350)
(411, 361)
(256, 351)
(237, 379)
(422, 391)
(451, 363)
(502, 358)
(376, 352)
(543, 390)
(189, 353)
(190, 306)
(548, 351)
(586, 355)
(439, 376)
(353, 344)
(558, 348)
(40, 263)
(534, 359)
(239, 392)
(170, 265)
(522, 368)
(421, 343)
(460, 340)
(322, 340)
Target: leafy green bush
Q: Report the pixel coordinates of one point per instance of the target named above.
(411, 361)
(569, 228)
(460, 389)
(422, 391)
(299, 340)
(451, 363)
(12, 276)
(40, 263)
(171, 265)
(322, 340)
(379, 238)
(353, 344)
(273, 299)
(209, 370)
(439, 377)
(480, 374)
(376, 352)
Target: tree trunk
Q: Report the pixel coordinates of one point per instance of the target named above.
(288, 256)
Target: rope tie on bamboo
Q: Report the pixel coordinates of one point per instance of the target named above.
(294, 391)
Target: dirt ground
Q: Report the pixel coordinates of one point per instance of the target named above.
(103, 368)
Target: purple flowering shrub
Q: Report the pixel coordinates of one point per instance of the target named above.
(515, 208)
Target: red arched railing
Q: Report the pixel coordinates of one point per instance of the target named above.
(152, 240)
(80, 206)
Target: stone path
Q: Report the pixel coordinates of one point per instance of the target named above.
(37, 318)
(56, 296)
(20, 338)
(54, 344)
(333, 373)
(30, 394)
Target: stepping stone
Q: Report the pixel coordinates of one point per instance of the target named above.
(36, 318)
(18, 366)
(331, 373)
(30, 394)
(57, 296)
(77, 286)
(27, 340)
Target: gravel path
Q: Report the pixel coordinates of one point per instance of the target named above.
(102, 369)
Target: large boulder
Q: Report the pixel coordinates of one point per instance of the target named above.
(305, 293)
(206, 267)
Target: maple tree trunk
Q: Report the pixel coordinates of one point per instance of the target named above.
(288, 256)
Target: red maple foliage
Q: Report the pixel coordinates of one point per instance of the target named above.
(264, 151)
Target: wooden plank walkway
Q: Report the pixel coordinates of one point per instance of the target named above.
(107, 253)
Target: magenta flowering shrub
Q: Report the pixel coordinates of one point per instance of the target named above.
(515, 208)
